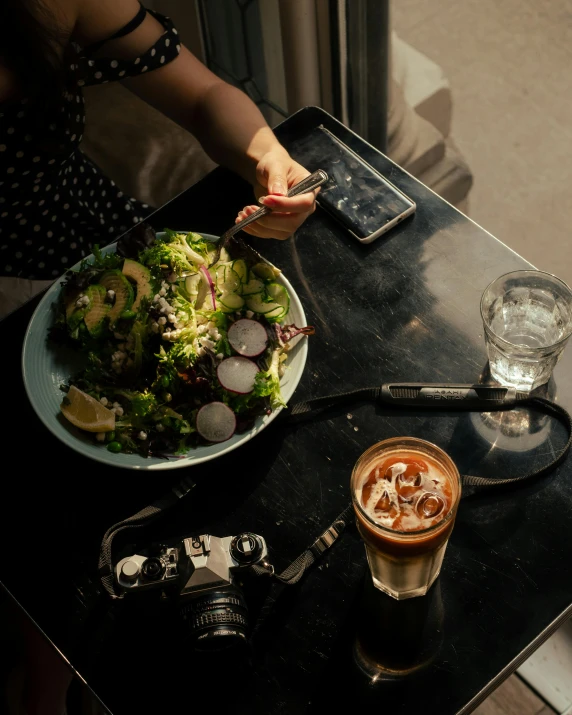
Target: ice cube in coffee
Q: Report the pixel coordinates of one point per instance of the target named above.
(405, 493)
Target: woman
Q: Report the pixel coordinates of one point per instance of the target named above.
(55, 204)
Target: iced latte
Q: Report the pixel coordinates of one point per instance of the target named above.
(405, 494)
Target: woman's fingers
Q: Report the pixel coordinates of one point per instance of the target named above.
(282, 222)
(253, 230)
(304, 203)
(272, 228)
(279, 224)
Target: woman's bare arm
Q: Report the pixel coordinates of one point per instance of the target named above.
(226, 122)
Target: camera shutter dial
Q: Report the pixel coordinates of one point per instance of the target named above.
(245, 548)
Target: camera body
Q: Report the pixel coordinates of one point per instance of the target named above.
(199, 571)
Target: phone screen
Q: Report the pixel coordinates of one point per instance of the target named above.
(355, 194)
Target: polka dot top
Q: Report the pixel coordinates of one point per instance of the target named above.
(55, 204)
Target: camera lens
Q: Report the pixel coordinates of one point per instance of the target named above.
(152, 569)
(217, 619)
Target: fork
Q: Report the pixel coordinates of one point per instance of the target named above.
(317, 178)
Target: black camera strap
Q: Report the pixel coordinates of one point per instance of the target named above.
(481, 398)
(298, 568)
(142, 518)
(471, 398)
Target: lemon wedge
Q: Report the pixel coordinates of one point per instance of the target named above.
(87, 413)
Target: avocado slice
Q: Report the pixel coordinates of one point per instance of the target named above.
(74, 315)
(71, 308)
(115, 280)
(142, 277)
(97, 309)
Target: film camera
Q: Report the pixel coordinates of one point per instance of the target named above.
(200, 571)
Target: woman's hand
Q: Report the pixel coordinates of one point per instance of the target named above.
(277, 172)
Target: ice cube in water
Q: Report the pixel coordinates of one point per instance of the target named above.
(527, 317)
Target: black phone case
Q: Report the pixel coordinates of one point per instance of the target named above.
(356, 195)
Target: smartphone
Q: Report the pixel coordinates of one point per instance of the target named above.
(356, 195)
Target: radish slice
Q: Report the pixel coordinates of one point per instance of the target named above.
(248, 337)
(216, 422)
(237, 374)
(211, 285)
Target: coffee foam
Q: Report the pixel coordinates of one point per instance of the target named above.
(403, 516)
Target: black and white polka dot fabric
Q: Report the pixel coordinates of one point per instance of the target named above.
(55, 204)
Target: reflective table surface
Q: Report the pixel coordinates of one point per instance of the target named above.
(405, 307)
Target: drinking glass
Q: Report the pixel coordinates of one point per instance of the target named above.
(527, 319)
(405, 563)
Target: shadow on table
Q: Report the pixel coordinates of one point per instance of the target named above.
(383, 651)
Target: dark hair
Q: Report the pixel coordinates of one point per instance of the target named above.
(33, 47)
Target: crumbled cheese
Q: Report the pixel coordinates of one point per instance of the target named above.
(155, 327)
(219, 356)
(162, 292)
(249, 314)
(162, 320)
(160, 427)
(142, 435)
(100, 436)
(118, 410)
(104, 401)
(111, 293)
(172, 317)
(156, 298)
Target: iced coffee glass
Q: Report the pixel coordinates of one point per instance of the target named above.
(405, 493)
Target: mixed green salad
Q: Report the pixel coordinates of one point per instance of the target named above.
(179, 351)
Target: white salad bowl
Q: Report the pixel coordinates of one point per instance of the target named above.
(46, 366)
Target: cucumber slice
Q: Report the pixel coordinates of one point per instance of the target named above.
(257, 305)
(279, 295)
(231, 302)
(253, 286)
(227, 280)
(211, 254)
(219, 274)
(275, 315)
(266, 271)
(241, 269)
